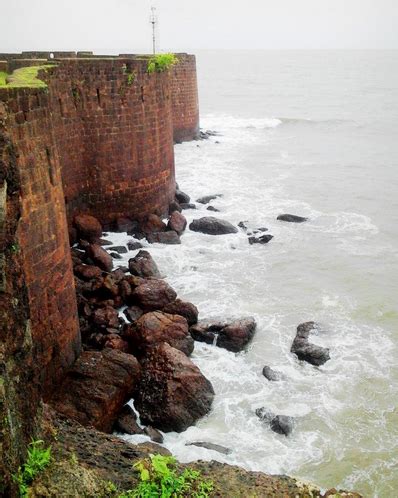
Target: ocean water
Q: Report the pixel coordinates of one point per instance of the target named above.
(312, 133)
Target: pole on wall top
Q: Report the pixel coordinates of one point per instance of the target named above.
(153, 20)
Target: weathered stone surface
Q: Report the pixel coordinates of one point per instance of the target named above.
(306, 351)
(170, 237)
(97, 386)
(263, 239)
(143, 265)
(153, 224)
(88, 227)
(234, 335)
(188, 310)
(291, 218)
(281, 424)
(207, 198)
(177, 222)
(156, 327)
(87, 272)
(154, 295)
(100, 257)
(212, 226)
(211, 446)
(173, 393)
(182, 197)
(127, 422)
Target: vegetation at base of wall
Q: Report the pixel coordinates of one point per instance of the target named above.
(161, 62)
(160, 478)
(24, 77)
(37, 460)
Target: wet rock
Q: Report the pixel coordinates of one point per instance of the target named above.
(156, 327)
(125, 291)
(173, 393)
(207, 198)
(306, 351)
(153, 224)
(211, 446)
(271, 374)
(133, 245)
(114, 341)
(291, 218)
(174, 206)
(233, 336)
(188, 310)
(100, 257)
(127, 422)
(187, 205)
(87, 272)
(97, 386)
(106, 317)
(119, 249)
(263, 239)
(110, 288)
(170, 237)
(143, 265)
(124, 224)
(154, 434)
(133, 313)
(212, 208)
(182, 197)
(116, 255)
(281, 424)
(154, 295)
(177, 222)
(212, 226)
(104, 242)
(88, 227)
(243, 225)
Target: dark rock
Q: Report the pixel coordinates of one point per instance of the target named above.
(116, 255)
(174, 206)
(173, 393)
(170, 237)
(103, 242)
(182, 197)
(212, 226)
(88, 227)
(119, 249)
(114, 341)
(212, 208)
(127, 422)
(177, 222)
(143, 265)
(188, 310)
(234, 335)
(292, 218)
(100, 257)
(263, 239)
(262, 229)
(124, 224)
(133, 313)
(125, 290)
(153, 224)
(157, 327)
(106, 317)
(154, 295)
(281, 424)
(189, 205)
(87, 272)
(97, 386)
(154, 434)
(211, 446)
(207, 198)
(133, 246)
(270, 374)
(306, 351)
(242, 225)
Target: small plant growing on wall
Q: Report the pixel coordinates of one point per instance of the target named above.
(38, 459)
(161, 62)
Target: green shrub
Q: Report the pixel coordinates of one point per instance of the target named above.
(38, 459)
(161, 62)
(161, 479)
(24, 77)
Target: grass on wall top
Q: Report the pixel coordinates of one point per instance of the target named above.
(24, 77)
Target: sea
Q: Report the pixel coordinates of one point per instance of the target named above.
(311, 133)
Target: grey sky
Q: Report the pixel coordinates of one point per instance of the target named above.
(123, 25)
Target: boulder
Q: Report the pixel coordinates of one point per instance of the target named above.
(270, 374)
(182, 197)
(187, 205)
(133, 313)
(173, 394)
(154, 295)
(153, 224)
(154, 434)
(306, 351)
(116, 255)
(281, 424)
(133, 245)
(211, 446)
(174, 206)
(114, 341)
(87, 272)
(88, 227)
(212, 208)
(291, 218)
(207, 198)
(106, 317)
(188, 310)
(100, 257)
(143, 265)
(156, 327)
(263, 239)
(233, 336)
(97, 386)
(170, 237)
(177, 222)
(124, 224)
(127, 422)
(212, 226)
(119, 249)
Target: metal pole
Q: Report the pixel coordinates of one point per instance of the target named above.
(153, 22)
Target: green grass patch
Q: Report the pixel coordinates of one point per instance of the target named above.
(24, 77)
(37, 460)
(161, 62)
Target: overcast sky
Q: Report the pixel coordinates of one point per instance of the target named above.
(184, 25)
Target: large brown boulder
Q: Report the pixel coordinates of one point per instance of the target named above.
(177, 222)
(153, 295)
(173, 394)
(100, 257)
(234, 335)
(212, 226)
(88, 227)
(106, 317)
(87, 272)
(143, 265)
(156, 327)
(171, 238)
(97, 386)
(153, 224)
(183, 308)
